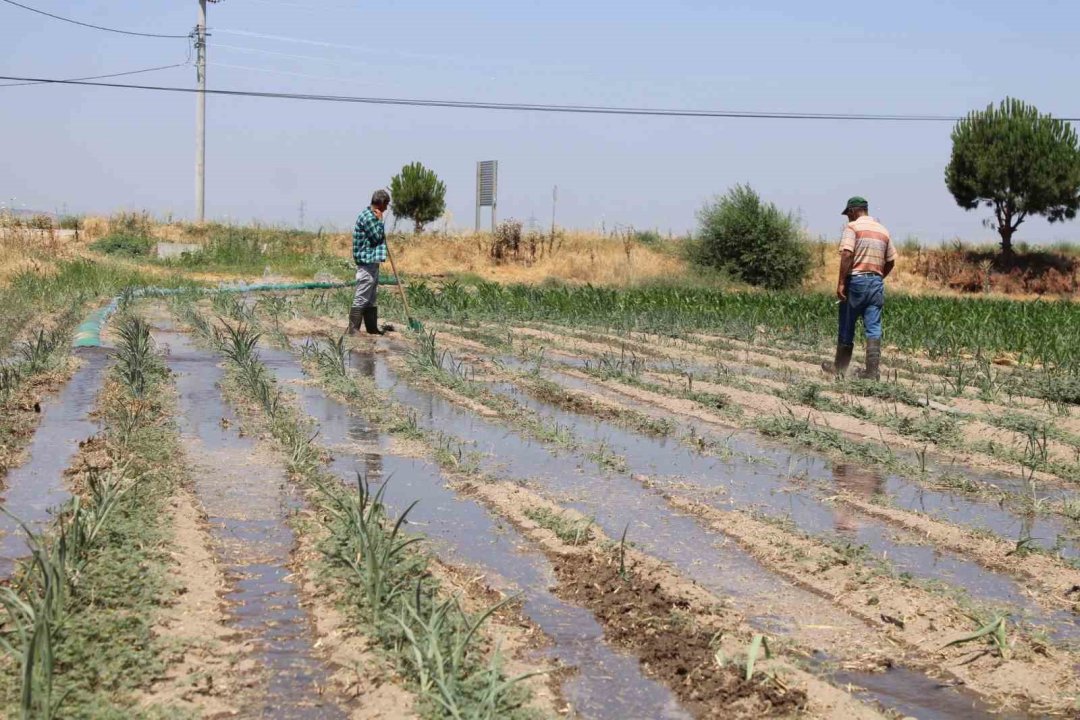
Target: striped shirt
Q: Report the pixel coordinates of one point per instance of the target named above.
(369, 239)
(869, 242)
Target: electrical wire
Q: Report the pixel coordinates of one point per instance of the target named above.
(317, 58)
(521, 107)
(272, 71)
(88, 25)
(101, 77)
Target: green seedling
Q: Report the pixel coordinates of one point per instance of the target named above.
(995, 630)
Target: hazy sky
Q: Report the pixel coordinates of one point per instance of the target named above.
(93, 149)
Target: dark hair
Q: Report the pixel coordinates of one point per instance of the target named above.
(380, 198)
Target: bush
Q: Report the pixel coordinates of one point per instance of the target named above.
(754, 241)
(124, 245)
(506, 240)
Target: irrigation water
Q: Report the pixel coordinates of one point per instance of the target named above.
(762, 487)
(37, 486)
(248, 500)
(606, 684)
(699, 554)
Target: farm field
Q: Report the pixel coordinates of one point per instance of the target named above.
(552, 501)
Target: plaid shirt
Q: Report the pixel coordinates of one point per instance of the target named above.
(369, 239)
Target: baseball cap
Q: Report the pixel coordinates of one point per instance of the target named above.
(855, 203)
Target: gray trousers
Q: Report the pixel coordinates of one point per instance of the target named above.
(367, 285)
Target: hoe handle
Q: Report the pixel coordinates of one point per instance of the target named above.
(400, 284)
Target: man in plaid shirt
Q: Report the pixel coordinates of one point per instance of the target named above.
(369, 249)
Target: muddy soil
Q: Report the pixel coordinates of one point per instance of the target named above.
(645, 620)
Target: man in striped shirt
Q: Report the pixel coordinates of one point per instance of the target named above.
(369, 249)
(867, 256)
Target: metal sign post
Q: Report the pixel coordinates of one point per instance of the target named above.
(487, 181)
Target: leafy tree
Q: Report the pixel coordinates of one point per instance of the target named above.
(754, 241)
(417, 194)
(1016, 161)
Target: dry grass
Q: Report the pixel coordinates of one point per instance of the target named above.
(23, 248)
(579, 258)
(826, 259)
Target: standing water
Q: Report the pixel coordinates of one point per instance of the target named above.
(606, 684)
(37, 486)
(248, 499)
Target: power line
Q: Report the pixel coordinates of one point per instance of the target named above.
(317, 58)
(278, 72)
(89, 25)
(101, 77)
(523, 107)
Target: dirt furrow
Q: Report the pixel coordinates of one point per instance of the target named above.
(246, 499)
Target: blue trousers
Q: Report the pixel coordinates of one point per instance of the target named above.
(865, 299)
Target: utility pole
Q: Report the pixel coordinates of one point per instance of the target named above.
(554, 201)
(301, 214)
(200, 115)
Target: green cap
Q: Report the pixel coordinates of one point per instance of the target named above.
(856, 203)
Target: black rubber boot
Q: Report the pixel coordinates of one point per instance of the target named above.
(356, 319)
(873, 361)
(840, 365)
(371, 321)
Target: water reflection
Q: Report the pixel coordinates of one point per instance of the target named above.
(861, 482)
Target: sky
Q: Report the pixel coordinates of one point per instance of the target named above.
(99, 150)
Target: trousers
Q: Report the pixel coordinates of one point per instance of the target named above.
(865, 299)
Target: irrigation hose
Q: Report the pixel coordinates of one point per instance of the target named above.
(88, 333)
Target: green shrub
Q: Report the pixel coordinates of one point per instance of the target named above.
(754, 241)
(124, 245)
(648, 237)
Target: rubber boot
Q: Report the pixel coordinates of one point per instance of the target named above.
(873, 360)
(371, 321)
(839, 366)
(356, 319)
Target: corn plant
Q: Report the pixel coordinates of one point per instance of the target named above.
(753, 650)
(319, 302)
(135, 357)
(276, 307)
(441, 640)
(37, 353)
(10, 377)
(332, 356)
(374, 549)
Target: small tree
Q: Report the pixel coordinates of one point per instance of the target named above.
(417, 194)
(752, 240)
(1016, 161)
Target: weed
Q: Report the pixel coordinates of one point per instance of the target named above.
(995, 631)
(571, 531)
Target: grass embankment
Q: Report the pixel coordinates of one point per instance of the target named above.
(79, 614)
(371, 567)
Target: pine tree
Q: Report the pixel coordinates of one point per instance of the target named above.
(418, 194)
(1018, 162)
